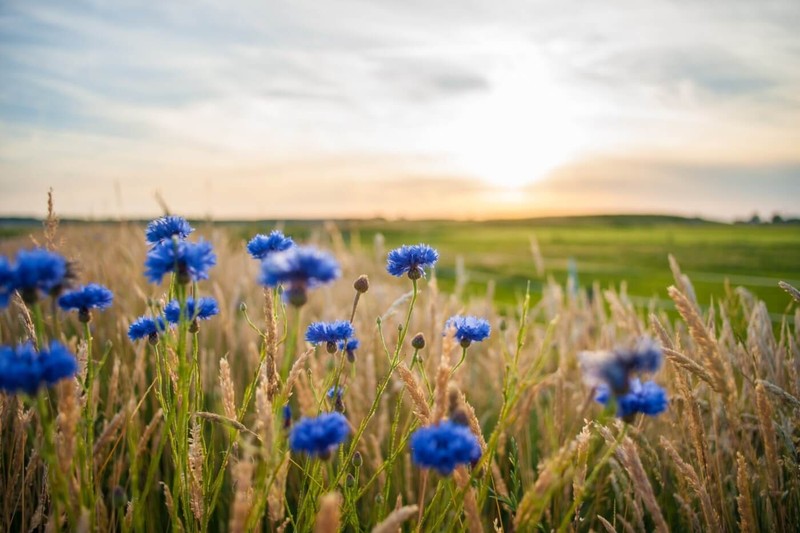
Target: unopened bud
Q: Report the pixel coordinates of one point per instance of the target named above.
(418, 342)
(361, 284)
(243, 307)
(357, 460)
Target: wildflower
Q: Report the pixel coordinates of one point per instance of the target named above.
(39, 270)
(190, 261)
(6, 282)
(335, 392)
(336, 395)
(22, 369)
(299, 268)
(469, 329)
(261, 246)
(200, 309)
(614, 368)
(444, 446)
(165, 228)
(331, 333)
(349, 348)
(319, 436)
(91, 296)
(648, 398)
(411, 260)
(146, 326)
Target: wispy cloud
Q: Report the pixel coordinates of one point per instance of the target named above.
(257, 97)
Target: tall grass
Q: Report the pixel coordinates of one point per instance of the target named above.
(193, 438)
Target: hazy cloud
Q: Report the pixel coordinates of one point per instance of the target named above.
(461, 96)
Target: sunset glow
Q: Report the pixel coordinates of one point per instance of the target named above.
(268, 110)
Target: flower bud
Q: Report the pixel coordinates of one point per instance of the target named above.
(357, 460)
(361, 284)
(418, 342)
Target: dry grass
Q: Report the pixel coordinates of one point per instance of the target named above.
(723, 457)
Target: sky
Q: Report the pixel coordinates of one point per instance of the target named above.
(400, 109)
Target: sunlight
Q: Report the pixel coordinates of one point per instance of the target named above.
(518, 132)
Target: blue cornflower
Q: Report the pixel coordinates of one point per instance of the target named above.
(146, 326)
(614, 368)
(648, 398)
(201, 309)
(6, 282)
(39, 270)
(469, 329)
(335, 392)
(331, 333)
(190, 261)
(299, 268)
(349, 348)
(444, 446)
(22, 369)
(411, 260)
(261, 246)
(91, 296)
(164, 228)
(319, 436)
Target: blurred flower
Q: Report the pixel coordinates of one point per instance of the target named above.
(201, 309)
(469, 329)
(648, 398)
(444, 446)
(330, 333)
(91, 296)
(261, 246)
(411, 260)
(164, 228)
(39, 270)
(6, 282)
(614, 368)
(299, 268)
(349, 348)
(146, 326)
(335, 392)
(22, 369)
(319, 436)
(190, 261)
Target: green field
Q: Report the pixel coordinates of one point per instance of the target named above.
(604, 249)
(609, 250)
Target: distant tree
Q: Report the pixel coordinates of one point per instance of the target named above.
(777, 218)
(755, 219)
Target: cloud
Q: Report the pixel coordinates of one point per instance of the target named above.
(156, 95)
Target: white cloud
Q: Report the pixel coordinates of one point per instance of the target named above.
(95, 92)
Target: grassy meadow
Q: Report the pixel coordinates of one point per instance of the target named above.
(190, 434)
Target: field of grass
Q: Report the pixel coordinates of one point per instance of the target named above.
(608, 250)
(190, 434)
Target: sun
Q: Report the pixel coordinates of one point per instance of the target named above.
(519, 131)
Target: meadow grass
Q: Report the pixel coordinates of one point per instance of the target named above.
(190, 435)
